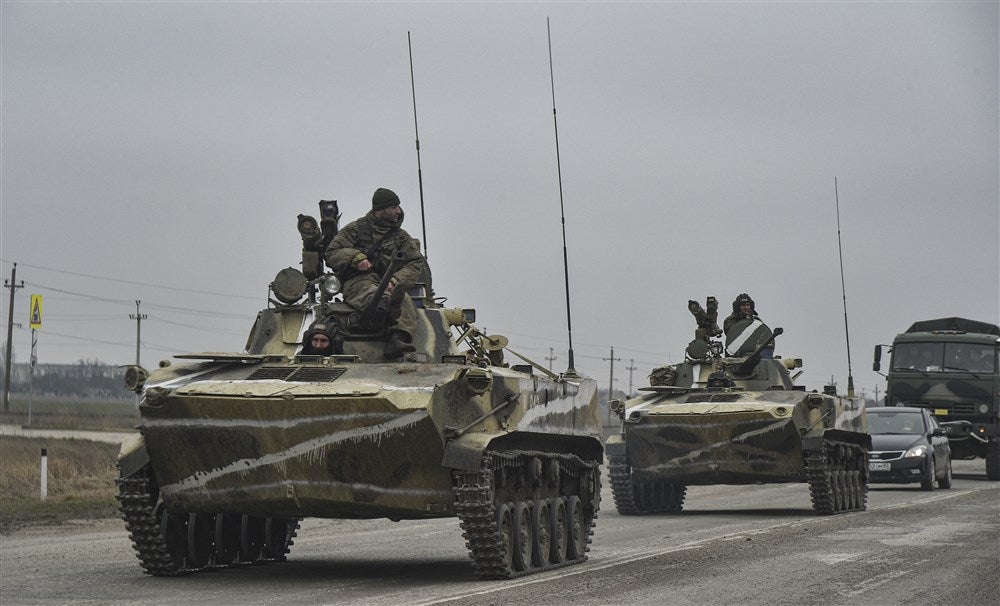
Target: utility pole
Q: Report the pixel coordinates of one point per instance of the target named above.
(138, 317)
(10, 335)
(630, 368)
(611, 379)
(550, 358)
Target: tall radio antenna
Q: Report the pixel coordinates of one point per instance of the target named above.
(843, 290)
(570, 371)
(420, 176)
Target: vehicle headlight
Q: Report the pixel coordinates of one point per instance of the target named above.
(917, 451)
(330, 285)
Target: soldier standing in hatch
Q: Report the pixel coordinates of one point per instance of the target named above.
(361, 253)
(743, 309)
(745, 312)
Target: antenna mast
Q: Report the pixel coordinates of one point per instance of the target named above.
(843, 290)
(570, 371)
(420, 176)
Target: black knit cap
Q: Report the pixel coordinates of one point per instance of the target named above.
(384, 198)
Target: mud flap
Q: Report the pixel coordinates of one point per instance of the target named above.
(615, 446)
(132, 456)
(466, 452)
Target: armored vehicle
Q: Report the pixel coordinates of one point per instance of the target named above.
(730, 414)
(234, 449)
(949, 366)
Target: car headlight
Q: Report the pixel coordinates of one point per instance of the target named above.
(917, 451)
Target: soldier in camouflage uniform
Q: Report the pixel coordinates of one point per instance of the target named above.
(743, 309)
(745, 327)
(361, 253)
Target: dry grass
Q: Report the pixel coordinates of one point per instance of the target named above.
(81, 482)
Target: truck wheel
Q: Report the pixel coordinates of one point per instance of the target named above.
(993, 460)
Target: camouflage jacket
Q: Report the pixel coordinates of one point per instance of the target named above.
(366, 238)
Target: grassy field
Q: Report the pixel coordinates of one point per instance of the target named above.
(81, 481)
(81, 473)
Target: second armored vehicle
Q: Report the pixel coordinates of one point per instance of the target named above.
(733, 416)
(235, 448)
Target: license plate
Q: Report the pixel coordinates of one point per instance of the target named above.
(941, 412)
(879, 466)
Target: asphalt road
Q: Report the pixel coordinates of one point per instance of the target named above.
(748, 545)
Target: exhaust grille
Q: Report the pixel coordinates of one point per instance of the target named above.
(316, 374)
(304, 374)
(713, 397)
(272, 372)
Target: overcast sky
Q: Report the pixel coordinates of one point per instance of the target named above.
(162, 151)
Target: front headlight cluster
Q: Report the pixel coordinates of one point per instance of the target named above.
(917, 451)
(330, 285)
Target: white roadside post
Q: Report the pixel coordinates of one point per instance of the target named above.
(45, 474)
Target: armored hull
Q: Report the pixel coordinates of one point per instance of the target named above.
(737, 420)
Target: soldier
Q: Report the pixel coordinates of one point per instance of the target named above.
(320, 340)
(362, 252)
(743, 309)
(744, 328)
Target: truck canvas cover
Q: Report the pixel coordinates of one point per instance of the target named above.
(953, 323)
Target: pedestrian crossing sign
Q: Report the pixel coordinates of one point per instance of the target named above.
(36, 311)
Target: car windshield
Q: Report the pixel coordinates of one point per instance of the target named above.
(944, 357)
(896, 422)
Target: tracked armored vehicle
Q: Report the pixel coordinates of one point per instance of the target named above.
(234, 449)
(729, 414)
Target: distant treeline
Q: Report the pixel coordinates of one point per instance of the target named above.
(91, 379)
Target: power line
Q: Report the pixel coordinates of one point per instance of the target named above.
(132, 282)
(186, 310)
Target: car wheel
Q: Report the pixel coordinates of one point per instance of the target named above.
(945, 482)
(928, 479)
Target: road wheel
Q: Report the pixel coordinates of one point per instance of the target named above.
(945, 482)
(251, 538)
(541, 533)
(505, 524)
(200, 538)
(560, 529)
(577, 544)
(173, 531)
(928, 479)
(227, 537)
(522, 536)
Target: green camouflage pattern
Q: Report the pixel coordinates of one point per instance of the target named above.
(235, 448)
(752, 432)
(718, 418)
(344, 436)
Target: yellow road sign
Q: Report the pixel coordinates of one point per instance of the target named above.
(36, 311)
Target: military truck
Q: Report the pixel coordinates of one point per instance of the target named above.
(949, 365)
(234, 449)
(732, 414)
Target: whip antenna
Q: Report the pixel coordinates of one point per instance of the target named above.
(570, 371)
(843, 290)
(420, 176)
